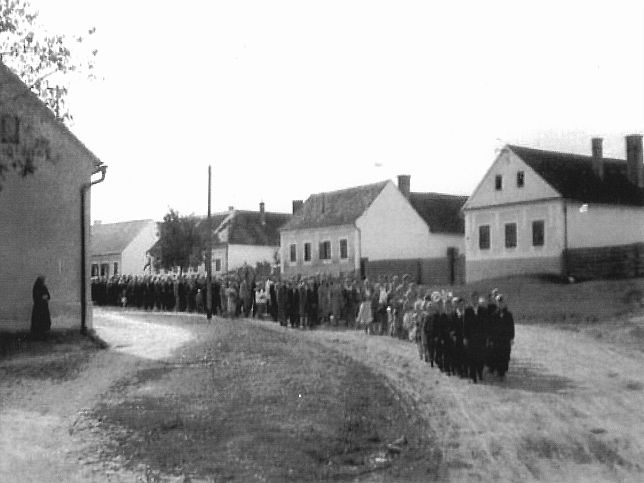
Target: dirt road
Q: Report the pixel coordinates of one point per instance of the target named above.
(569, 409)
(40, 417)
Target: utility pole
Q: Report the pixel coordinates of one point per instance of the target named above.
(209, 255)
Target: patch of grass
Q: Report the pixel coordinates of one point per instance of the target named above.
(247, 401)
(535, 299)
(594, 450)
(59, 356)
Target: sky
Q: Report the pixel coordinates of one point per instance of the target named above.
(289, 98)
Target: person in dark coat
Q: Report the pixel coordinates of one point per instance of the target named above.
(40, 317)
(475, 336)
(282, 303)
(274, 310)
(502, 336)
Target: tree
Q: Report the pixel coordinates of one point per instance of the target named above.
(44, 62)
(39, 57)
(181, 242)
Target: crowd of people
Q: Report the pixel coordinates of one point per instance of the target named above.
(459, 337)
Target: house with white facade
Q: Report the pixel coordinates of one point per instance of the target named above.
(373, 230)
(122, 248)
(45, 175)
(534, 210)
(243, 237)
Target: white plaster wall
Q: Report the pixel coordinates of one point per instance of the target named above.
(110, 260)
(523, 215)
(604, 225)
(134, 256)
(238, 255)
(507, 164)
(314, 236)
(40, 220)
(391, 229)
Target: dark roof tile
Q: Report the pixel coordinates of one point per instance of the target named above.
(573, 177)
(108, 238)
(342, 207)
(441, 212)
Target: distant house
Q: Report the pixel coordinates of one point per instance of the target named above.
(121, 248)
(243, 237)
(44, 216)
(538, 211)
(376, 229)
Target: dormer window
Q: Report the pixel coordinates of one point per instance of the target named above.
(520, 179)
(498, 182)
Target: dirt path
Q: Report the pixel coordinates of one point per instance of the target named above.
(569, 409)
(39, 418)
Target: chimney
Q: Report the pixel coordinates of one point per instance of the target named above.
(634, 162)
(598, 162)
(262, 214)
(297, 205)
(231, 208)
(404, 184)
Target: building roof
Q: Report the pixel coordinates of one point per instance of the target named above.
(334, 208)
(240, 227)
(108, 238)
(573, 177)
(441, 212)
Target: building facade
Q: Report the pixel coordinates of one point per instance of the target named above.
(245, 238)
(373, 229)
(44, 216)
(533, 207)
(122, 248)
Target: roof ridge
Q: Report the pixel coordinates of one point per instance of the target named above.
(435, 193)
(350, 188)
(122, 222)
(562, 153)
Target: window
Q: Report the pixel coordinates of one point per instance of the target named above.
(510, 235)
(217, 264)
(344, 250)
(498, 182)
(10, 128)
(484, 237)
(94, 269)
(116, 268)
(538, 233)
(520, 179)
(293, 249)
(105, 269)
(307, 252)
(325, 250)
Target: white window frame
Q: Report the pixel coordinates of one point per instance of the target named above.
(217, 260)
(343, 260)
(304, 260)
(326, 260)
(290, 261)
(516, 236)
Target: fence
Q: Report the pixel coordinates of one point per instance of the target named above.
(449, 270)
(623, 261)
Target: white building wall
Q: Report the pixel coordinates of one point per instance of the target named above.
(134, 257)
(238, 255)
(604, 225)
(551, 212)
(40, 218)
(508, 164)
(391, 229)
(333, 234)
